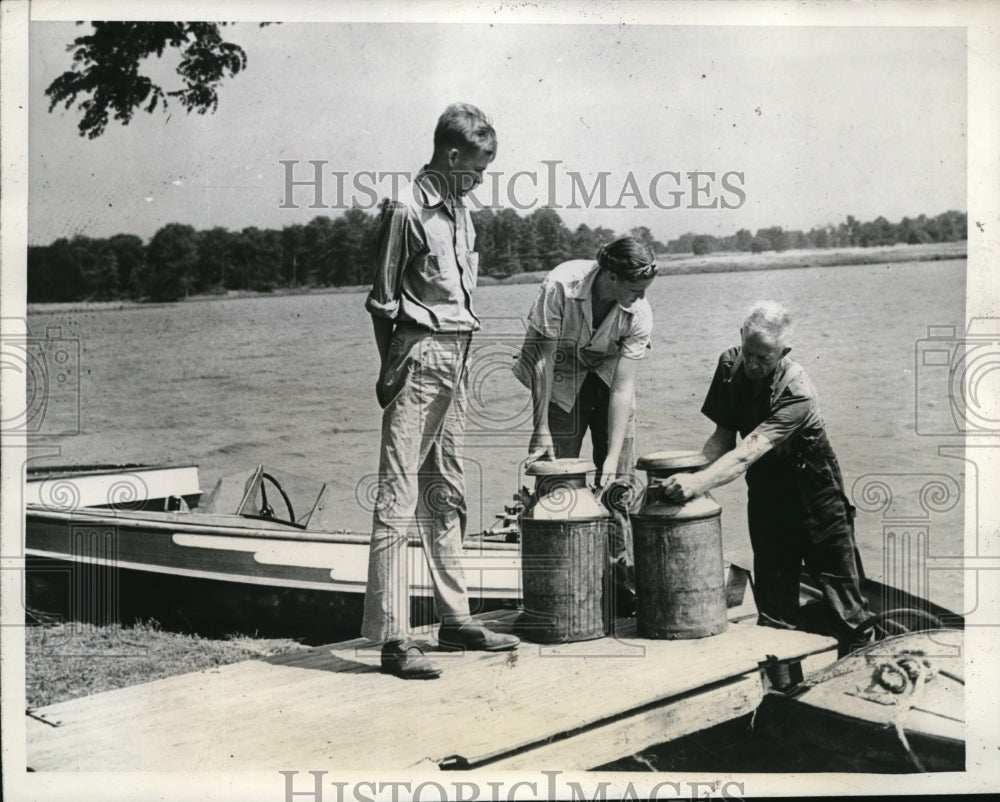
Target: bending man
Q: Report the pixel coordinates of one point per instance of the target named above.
(797, 509)
(588, 328)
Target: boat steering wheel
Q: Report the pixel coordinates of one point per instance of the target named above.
(266, 510)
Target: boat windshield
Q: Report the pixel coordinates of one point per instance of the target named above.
(268, 493)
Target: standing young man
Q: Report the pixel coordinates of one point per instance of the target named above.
(423, 316)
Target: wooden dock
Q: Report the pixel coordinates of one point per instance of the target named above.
(570, 706)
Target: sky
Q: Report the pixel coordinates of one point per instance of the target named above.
(805, 125)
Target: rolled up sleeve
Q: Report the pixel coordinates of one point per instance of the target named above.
(394, 246)
(640, 336)
(788, 415)
(546, 314)
(717, 407)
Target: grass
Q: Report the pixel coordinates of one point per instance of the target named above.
(67, 661)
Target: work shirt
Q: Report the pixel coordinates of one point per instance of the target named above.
(426, 266)
(563, 311)
(801, 470)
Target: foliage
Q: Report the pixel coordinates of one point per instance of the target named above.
(106, 80)
(169, 271)
(946, 227)
(180, 261)
(701, 245)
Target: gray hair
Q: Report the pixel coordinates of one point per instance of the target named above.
(770, 319)
(464, 126)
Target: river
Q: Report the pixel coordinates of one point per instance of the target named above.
(288, 381)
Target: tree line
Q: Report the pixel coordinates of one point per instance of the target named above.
(180, 260)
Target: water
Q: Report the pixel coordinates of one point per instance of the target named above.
(288, 381)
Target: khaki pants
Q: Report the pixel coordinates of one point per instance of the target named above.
(421, 481)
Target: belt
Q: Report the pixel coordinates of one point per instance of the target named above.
(435, 333)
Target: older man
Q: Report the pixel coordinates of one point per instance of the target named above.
(422, 312)
(797, 509)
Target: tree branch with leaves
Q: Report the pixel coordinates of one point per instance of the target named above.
(106, 81)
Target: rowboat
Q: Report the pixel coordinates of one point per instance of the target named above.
(119, 543)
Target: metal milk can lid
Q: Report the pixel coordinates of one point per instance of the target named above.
(560, 467)
(660, 464)
(672, 461)
(561, 491)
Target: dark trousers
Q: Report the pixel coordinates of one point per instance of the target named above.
(781, 546)
(590, 413)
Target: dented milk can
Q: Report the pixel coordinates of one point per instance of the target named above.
(564, 548)
(679, 572)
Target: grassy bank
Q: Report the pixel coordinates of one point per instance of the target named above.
(670, 264)
(68, 661)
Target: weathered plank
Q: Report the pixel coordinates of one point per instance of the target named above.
(644, 728)
(332, 706)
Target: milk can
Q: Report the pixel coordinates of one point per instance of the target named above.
(679, 572)
(564, 551)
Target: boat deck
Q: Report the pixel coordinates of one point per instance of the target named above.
(567, 706)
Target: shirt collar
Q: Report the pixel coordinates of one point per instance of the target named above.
(779, 369)
(430, 196)
(584, 289)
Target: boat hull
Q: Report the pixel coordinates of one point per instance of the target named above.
(225, 573)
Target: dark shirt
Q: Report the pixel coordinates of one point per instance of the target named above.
(801, 470)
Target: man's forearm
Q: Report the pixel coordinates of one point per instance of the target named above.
(726, 468)
(542, 377)
(619, 408)
(733, 463)
(383, 328)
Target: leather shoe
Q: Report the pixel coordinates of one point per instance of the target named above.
(475, 638)
(407, 661)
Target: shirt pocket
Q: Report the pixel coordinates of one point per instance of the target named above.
(437, 282)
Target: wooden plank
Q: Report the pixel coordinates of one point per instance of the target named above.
(630, 735)
(332, 703)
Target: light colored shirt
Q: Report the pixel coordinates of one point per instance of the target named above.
(563, 311)
(426, 266)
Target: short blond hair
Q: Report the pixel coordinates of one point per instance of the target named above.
(464, 126)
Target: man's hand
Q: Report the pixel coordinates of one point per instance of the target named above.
(609, 472)
(682, 486)
(541, 447)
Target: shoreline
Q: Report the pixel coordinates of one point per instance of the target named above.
(670, 265)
